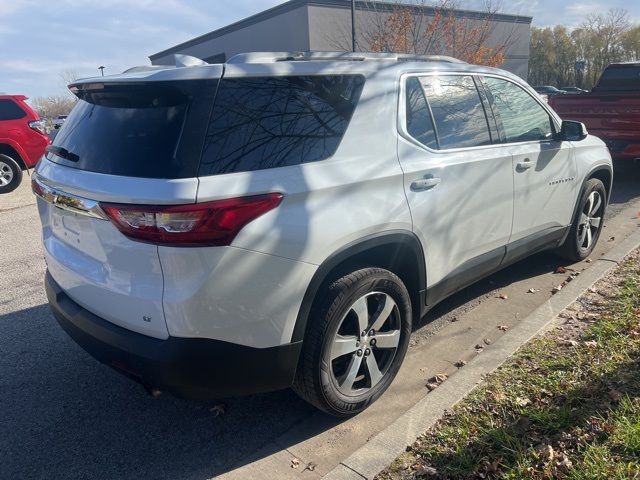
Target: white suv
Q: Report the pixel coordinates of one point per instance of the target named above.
(282, 219)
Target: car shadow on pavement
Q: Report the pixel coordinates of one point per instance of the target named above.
(626, 178)
(533, 266)
(66, 415)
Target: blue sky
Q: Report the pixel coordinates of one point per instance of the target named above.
(39, 39)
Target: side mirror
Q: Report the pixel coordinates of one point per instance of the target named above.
(572, 131)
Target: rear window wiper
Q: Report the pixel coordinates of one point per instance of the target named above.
(62, 152)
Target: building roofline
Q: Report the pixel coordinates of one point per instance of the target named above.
(294, 4)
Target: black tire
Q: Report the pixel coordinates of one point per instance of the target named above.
(316, 380)
(573, 249)
(9, 169)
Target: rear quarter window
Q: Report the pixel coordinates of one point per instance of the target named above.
(419, 122)
(268, 122)
(9, 110)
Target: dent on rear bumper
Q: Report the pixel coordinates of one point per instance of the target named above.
(187, 367)
(232, 294)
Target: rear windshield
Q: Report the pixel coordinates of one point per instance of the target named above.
(267, 122)
(619, 78)
(153, 130)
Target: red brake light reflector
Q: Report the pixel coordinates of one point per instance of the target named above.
(213, 223)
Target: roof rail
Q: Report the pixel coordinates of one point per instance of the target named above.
(273, 57)
(409, 57)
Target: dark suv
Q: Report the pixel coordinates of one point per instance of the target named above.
(22, 140)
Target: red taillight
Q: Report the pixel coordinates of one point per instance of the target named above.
(210, 223)
(35, 187)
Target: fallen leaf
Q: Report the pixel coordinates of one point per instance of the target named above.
(218, 410)
(479, 347)
(438, 378)
(311, 466)
(570, 343)
(425, 470)
(295, 463)
(561, 270)
(431, 386)
(556, 289)
(612, 239)
(504, 328)
(588, 260)
(522, 401)
(533, 290)
(503, 296)
(591, 343)
(546, 452)
(565, 463)
(487, 341)
(460, 363)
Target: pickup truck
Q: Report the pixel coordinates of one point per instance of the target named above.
(610, 111)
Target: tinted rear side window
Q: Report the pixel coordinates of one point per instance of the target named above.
(9, 110)
(153, 130)
(621, 78)
(268, 122)
(419, 123)
(457, 110)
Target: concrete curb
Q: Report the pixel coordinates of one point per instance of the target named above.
(382, 449)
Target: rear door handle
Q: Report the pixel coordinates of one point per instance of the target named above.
(524, 165)
(424, 184)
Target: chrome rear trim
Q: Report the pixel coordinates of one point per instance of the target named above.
(67, 201)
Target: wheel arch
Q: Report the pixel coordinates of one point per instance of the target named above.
(604, 173)
(398, 251)
(10, 151)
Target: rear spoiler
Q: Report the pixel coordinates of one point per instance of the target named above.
(17, 97)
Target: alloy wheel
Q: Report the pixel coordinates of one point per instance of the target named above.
(6, 174)
(365, 343)
(590, 220)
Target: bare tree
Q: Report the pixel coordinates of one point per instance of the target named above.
(66, 77)
(422, 28)
(598, 41)
(51, 106)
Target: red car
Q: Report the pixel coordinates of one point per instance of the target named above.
(22, 140)
(610, 111)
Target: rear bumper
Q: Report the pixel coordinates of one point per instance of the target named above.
(195, 368)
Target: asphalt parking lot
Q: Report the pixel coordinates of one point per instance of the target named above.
(63, 415)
